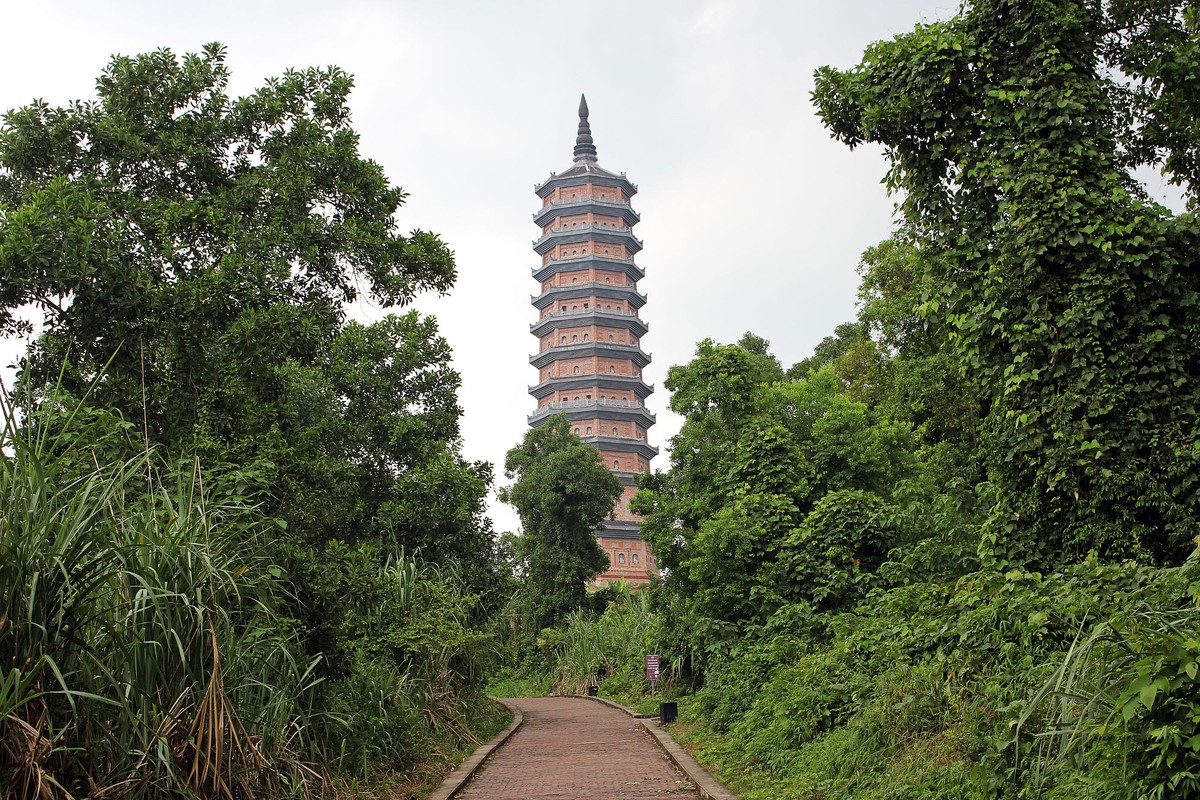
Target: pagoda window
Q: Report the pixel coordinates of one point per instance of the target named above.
(616, 464)
(585, 337)
(610, 337)
(575, 369)
(576, 431)
(611, 369)
(585, 306)
(620, 558)
(574, 338)
(633, 558)
(614, 431)
(564, 340)
(589, 430)
(574, 280)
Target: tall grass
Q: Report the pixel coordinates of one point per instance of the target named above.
(1122, 707)
(140, 650)
(608, 649)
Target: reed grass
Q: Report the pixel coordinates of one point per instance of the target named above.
(141, 653)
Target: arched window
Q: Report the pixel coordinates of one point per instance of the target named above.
(585, 337)
(616, 464)
(610, 337)
(574, 280)
(620, 558)
(633, 558)
(564, 339)
(614, 431)
(589, 430)
(576, 431)
(575, 369)
(574, 338)
(611, 370)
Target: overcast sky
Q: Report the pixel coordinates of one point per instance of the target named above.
(753, 218)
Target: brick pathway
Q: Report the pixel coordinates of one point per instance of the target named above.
(576, 749)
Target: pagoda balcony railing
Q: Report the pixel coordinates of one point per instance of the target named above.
(588, 313)
(571, 405)
(591, 285)
(569, 260)
(597, 316)
(586, 228)
(583, 200)
(589, 379)
(622, 259)
(563, 405)
(618, 350)
(629, 287)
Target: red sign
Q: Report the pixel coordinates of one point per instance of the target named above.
(651, 668)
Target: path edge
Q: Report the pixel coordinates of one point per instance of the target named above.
(709, 787)
(463, 772)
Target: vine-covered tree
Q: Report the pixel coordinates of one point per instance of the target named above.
(562, 494)
(1072, 296)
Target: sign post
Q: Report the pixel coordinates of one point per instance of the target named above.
(652, 672)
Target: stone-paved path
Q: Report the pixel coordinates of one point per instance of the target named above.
(577, 749)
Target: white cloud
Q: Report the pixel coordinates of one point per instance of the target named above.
(753, 218)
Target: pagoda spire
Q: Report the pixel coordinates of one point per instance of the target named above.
(585, 150)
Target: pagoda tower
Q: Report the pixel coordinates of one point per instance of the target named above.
(589, 357)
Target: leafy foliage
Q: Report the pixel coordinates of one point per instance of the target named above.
(190, 256)
(562, 494)
(1070, 296)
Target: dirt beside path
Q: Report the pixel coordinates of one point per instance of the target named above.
(576, 749)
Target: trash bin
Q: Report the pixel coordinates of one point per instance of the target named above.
(668, 713)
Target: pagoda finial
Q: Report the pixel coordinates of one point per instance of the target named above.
(584, 149)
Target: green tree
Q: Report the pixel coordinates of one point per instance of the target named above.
(1072, 298)
(191, 242)
(562, 493)
(190, 256)
(755, 455)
